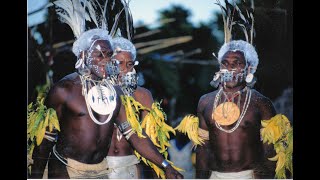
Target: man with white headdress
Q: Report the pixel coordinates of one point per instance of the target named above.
(230, 118)
(121, 155)
(87, 106)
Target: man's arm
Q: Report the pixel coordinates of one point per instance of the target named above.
(202, 152)
(266, 169)
(146, 148)
(41, 153)
(40, 158)
(144, 97)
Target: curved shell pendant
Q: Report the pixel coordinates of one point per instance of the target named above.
(101, 100)
(226, 113)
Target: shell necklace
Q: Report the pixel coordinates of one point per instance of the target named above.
(100, 96)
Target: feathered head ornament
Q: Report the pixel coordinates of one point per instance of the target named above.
(233, 18)
(76, 13)
(123, 44)
(246, 48)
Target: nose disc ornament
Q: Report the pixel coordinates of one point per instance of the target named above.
(101, 100)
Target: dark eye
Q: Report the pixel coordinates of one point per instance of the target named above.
(224, 63)
(109, 54)
(239, 63)
(99, 55)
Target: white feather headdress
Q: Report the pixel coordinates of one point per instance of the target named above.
(123, 44)
(76, 13)
(232, 17)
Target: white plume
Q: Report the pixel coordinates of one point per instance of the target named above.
(72, 13)
(75, 13)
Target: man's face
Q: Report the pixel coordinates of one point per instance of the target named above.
(126, 63)
(98, 55)
(233, 61)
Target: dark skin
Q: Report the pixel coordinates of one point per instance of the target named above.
(141, 95)
(122, 147)
(242, 149)
(144, 96)
(80, 138)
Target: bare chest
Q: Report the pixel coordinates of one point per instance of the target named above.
(243, 114)
(77, 106)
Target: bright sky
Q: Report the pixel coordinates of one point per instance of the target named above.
(146, 11)
(39, 17)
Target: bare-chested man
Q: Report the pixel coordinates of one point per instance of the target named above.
(120, 156)
(87, 107)
(232, 115)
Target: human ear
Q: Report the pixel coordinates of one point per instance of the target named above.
(250, 79)
(216, 80)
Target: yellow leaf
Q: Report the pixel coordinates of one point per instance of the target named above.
(31, 122)
(50, 127)
(55, 123)
(31, 148)
(128, 103)
(281, 161)
(40, 135)
(54, 120)
(264, 123)
(46, 120)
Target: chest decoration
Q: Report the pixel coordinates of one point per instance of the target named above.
(100, 96)
(101, 100)
(226, 112)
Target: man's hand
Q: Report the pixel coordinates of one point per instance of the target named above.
(172, 173)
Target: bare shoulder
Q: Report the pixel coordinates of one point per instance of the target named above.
(260, 98)
(66, 82)
(205, 99)
(58, 93)
(143, 96)
(73, 77)
(140, 91)
(264, 104)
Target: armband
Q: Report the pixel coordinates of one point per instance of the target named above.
(165, 163)
(123, 126)
(52, 137)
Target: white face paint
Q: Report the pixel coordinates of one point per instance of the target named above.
(112, 67)
(232, 69)
(227, 76)
(98, 55)
(130, 79)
